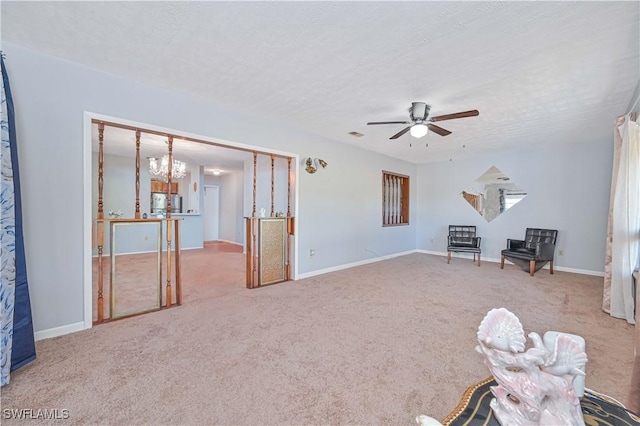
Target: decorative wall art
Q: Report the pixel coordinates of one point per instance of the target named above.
(492, 194)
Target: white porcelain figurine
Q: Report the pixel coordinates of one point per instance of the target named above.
(423, 420)
(536, 386)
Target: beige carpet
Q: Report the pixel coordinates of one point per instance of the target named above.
(376, 344)
(136, 276)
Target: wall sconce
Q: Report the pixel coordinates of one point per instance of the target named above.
(317, 161)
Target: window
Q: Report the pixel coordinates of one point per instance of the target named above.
(509, 199)
(395, 199)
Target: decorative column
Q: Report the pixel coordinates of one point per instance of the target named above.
(169, 173)
(255, 169)
(100, 222)
(272, 186)
(288, 186)
(169, 224)
(289, 222)
(137, 213)
(100, 169)
(178, 271)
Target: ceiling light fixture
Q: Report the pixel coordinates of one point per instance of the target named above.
(419, 130)
(160, 167)
(216, 172)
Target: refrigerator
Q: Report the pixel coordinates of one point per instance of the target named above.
(159, 203)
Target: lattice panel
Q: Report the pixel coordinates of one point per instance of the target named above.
(272, 250)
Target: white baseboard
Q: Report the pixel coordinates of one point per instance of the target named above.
(231, 242)
(576, 271)
(459, 255)
(351, 265)
(59, 331)
(494, 260)
(435, 253)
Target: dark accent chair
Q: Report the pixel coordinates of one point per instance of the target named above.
(463, 238)
(532, 253)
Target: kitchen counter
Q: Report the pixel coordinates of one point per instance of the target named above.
(191, 229)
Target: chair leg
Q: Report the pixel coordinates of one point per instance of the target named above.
(448, 256)
(551, 265)
(532, 267)
(478, 259)
(502, 262)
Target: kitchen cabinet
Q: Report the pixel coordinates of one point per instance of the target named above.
(159, 186)
(156, 186)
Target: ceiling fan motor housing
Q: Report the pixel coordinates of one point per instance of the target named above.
(420, 125)
(419, 111)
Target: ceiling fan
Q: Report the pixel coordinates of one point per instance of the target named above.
(421, 123)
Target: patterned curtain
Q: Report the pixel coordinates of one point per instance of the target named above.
(623, 233)
(17, 345)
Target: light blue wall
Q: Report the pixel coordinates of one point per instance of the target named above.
(339, 214)
(231, 195)
(231, 209)
(119, 189)
(231, 222)
(568, 189)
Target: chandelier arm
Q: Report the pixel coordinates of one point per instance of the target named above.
(160, 167)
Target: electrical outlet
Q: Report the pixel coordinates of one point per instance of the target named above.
(146, 237)
(312, 252)
(560, 252)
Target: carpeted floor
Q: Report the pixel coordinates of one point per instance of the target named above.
(136, 276)
(376, 344)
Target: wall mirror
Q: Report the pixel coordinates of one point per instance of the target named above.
(493, 193)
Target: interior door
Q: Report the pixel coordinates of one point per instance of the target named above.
(211, 212)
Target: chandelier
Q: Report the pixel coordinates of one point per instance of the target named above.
(160, 167)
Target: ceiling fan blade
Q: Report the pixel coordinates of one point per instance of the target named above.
(439, 130)
(400, 133)
(389, 122)
(464, 114)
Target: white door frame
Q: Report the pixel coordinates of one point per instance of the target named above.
(87, 191)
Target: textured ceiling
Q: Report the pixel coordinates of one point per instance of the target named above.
(538, 72)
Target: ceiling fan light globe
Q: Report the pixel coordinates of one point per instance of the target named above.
(419, 130)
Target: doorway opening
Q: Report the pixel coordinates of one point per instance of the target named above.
(189, 143)
(211, 213)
